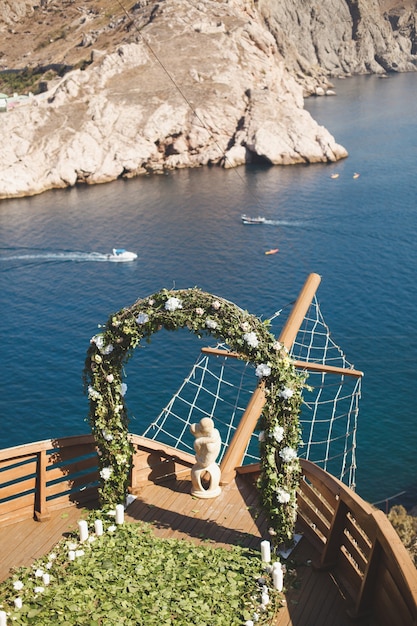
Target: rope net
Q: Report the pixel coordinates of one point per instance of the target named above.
(220, 387)
(206, 392)
(329, 414)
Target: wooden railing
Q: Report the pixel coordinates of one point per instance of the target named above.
(361, 548)
(41, 477)
(38, 478)
(156, 462)
(354, 540)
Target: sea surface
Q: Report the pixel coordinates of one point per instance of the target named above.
(359, 234)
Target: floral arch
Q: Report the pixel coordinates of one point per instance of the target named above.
(203, 314)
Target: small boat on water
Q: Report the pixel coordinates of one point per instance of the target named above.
(120, 255)
(273, 251)
(253, 220)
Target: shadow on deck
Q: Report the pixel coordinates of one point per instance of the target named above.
(234, 517)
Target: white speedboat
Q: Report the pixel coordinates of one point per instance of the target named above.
(120, 255)
(253, 220)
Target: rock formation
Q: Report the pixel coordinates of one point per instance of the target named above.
(341, 37)
(182, 84)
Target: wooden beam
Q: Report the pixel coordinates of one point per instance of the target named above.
(221, 352)
(298, 313)
(41, 509)
(305, 365)
(328, 369)
(236, 448)
(330, 553)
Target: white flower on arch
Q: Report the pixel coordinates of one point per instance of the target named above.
(172, 304)
(283, 496)
(106, 472)
(142, 318)
(286, 393)
(262, 370)
(278, 433)
(99, 341)
(251, 339)
(93, 394)
(288, 454)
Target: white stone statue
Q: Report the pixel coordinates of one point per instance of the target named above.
(207, 447)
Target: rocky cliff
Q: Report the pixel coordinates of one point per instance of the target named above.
(181, 84)
(342, 37)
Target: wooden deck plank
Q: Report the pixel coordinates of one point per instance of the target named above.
(314, 598)
(227, 519)
(23, 542)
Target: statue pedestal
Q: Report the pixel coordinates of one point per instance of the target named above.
(197, 489)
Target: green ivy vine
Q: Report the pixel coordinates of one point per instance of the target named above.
(203, 314)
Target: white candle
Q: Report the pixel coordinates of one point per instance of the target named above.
(71, 557)
(46, 579)
(98, 527)
(83, 527)
(18, 603)
(3, 621)
(277, 576)
(265, 599)
(120, 513)
(265, 551)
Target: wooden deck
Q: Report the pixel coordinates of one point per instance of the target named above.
(232, 518)
(347, 540)
(23, 542)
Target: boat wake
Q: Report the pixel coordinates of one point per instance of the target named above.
(80, 257)
(247, 219)
(282, 223)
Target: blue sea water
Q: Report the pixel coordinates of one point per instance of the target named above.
(357, 233)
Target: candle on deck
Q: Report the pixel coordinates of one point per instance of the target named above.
(3, 620)
(277, 576)
(98, 527)
(83, 527)
(266, 551)
(120, 513)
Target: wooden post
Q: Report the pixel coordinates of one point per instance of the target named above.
(41, 509)
(236, 449)
(330, 554)
(292, 326)
(363, 604)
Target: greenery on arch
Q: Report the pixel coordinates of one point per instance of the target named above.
(203, 314)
